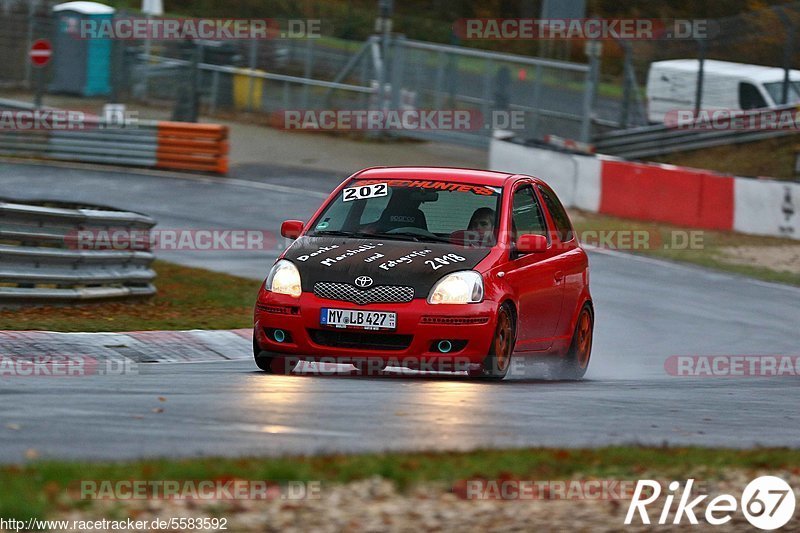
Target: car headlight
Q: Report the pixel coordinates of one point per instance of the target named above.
(284, 278)
(462, 287)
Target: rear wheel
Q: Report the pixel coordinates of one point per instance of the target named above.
(576, 362)
(496, 364)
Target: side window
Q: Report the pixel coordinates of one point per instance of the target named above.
(749, 97)
(559, 214)
(526, 215)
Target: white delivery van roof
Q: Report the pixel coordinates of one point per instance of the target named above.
(85, 8)
(757, 73)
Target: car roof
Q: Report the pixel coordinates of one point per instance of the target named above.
(468, 176)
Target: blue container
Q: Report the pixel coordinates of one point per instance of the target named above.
(81, 66)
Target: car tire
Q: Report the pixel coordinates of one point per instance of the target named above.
(271, 364)
(496, 365)
(576, 362)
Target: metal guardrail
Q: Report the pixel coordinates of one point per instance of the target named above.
(660, 139)
(42, 261)
(145, 143)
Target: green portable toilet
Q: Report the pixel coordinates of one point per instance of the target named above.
(81, 65)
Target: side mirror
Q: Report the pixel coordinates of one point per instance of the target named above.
(530, 243)
(291, 229)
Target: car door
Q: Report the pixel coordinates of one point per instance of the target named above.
(534, 277)
(571, 262)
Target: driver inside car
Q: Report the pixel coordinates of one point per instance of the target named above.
(480, 230)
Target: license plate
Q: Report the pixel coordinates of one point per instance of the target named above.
(354, 318)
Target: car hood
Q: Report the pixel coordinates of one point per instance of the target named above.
(387, 262)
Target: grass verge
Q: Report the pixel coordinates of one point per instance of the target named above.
(187, 298)
(770, 157)
(39, 488)
(717, 251)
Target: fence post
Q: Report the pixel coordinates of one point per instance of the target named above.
(309, 60)
(537, 98)
(788, 51)
(627, 78)
(701, 55)
(398, 69)
(252, 63)
(439, 84)
(487, 106)
(214, 92)
(593, 50)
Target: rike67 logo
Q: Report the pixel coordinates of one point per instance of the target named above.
(767, 502)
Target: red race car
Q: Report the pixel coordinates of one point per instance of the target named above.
(431, 269)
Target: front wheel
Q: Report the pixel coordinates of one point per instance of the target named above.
(496, 364)
(271, 364)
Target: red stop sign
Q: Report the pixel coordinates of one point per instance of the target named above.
(40, 53)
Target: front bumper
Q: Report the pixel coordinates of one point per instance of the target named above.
(420, 327)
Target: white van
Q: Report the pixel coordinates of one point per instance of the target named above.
(672, 87)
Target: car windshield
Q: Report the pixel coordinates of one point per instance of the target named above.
(775, 90)
(416, 210)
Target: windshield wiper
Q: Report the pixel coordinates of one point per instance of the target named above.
(414, 236)
(340, 233)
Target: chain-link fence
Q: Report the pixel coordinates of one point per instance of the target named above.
(766, 37)
(528, 95)
(21, 23)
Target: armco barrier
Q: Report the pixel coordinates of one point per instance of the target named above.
(767, 207)
(41, 260)
(144, 143)
(657, 192)
(187, 146)
(666, 193)
(575, 178)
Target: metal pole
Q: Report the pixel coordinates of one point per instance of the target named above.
(147, 48)
(398, 62)
(488, 105)
(788, 51)
(251, 78)
(308, 69)
(439, 84)
(384, 23)
(537, 99)
(627, 71)
(698, 97)
(37, 99)
(31, 23)
(593, 50)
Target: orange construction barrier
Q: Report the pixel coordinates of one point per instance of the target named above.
(189, 146)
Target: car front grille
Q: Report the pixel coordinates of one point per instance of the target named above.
(345, 292)
(358, 340)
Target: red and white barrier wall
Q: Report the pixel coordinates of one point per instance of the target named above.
(664, 193)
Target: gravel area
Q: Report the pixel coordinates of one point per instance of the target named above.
(376, 505)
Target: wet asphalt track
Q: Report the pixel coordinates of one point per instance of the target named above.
(646, 311)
